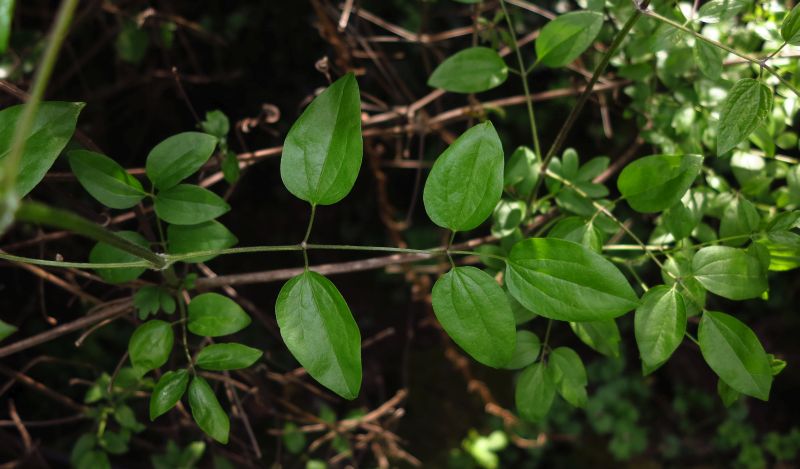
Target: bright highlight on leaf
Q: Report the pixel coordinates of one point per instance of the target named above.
(470, 71)
(565, 38)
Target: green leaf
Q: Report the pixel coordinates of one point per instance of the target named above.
(178, 157)
(319, 330)
(474, 311)
(216, 123)
(470, 71)
(322, 152)
(790, 28)
(151, 345)
(716, 11)
(659, 324)
(186, 204)
(105, 253)
(466, 181)
(602, 336)
(521, 171)
(105, 180)
(739, 220)
(6, 329)
(214, 315)
(535, 392)
(526, 351)
(733, 351)
(150, 298)
(657, 182)
(168, 391)
(563, 280)
(565, 38)
(729, 272)
(748, 105)
(231, 356)
(207, 412)
(708, 59)
(52, 129)
(569, 375)
(293, 438)
(6, 17)
(727, 393)
(209, 236)
(132, 42)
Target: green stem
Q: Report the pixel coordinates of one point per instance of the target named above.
(23, 128)
(523, 73)
(304, 243)
(35, 212)
(184, 339)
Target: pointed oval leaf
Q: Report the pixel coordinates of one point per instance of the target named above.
(322, 152)
(729, 272)
(207, 411)
(748, 104)
(106, 254)
(6, 329)
(735, 354)
(565, 38)
(214, 315)
(168, 391)
(569, 375)
(657, 182)
(466, 181)
(526, 351)
(474, 311)
(232, 356)
(659, 324)
(534, 392)
(602, 336)
(318, 328)
(178, 157)
(52, 129)
(563, 280)
(739, 220)
(209, 236)
(790, 28)
(151, 344)
(105, 180)
(187, 204)
(708, 59)
(716, 11)
(470, 71)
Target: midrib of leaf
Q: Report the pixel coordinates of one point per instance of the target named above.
(728, 339)
(329, 139)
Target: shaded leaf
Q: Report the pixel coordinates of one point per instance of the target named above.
(565, 38)
(187, 204)
(470, 71)
(105, 180)
(207, 412)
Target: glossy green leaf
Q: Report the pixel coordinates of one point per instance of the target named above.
(526, 351)
(151, 344)
(52, 129)
(470, 71)
(6, 329)
(790, 28)
(565, 38)
(231, 356)
(729, 272)
(739, 219)
(466, 181)
(657, 182)
(207, 411)
(168, 391)
(602, 336)
(708, 59)
(715, 11)
(733, 351)
(747, 106)
(322, 152)
(659, 324)
(563, 280)
(318, 328)
(105, 253)
(187, 204)
(569, 375)
(208, 236)
(474, 311)
(6, 17)
(535, 392)
(105, 179)
(214, 315)
(178, 157)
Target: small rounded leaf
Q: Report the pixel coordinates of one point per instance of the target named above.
(221, 357)
(151, 345)
(470, 71)
(187, 204)
(103, 253)
(474, 311)
(207, 411)
(214, 315)
(565, 38)
(209, 236)
(105, 179)
(655, 183)
(168, 391)
(178, 157)
(466, 181)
